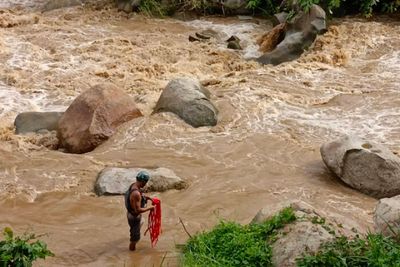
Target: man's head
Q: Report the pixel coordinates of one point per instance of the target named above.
(142, 178)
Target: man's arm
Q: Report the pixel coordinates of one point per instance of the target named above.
(137, 200)
(149, 198)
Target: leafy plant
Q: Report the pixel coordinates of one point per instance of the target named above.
(232, 244)
(21, 251)
(372, 250)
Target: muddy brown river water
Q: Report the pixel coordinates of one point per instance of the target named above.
(264, 150)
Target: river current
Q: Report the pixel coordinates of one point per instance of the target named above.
(264, 150)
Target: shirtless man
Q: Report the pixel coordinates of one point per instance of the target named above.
(135, 202)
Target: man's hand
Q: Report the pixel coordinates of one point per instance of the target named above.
(151, 208)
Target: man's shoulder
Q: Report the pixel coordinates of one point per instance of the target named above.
(135, 192)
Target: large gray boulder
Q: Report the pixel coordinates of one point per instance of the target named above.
(298, 237)
(29, 122)
(115, 181)
(366, 166)
(300, 35)
(387, 216)
(188, 99)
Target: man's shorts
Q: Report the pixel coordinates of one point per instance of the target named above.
(134, 224)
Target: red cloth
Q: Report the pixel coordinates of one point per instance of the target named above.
(154, 221)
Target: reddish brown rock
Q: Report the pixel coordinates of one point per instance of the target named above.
(94, 116)
(271, 39)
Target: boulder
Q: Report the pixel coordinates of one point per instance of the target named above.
(300, 208)
(128, 5)
(387, 216)
(94, 116)
(298, 237)
(115, 181)
(300, 35)
(366, 166)
(289, 49)
(56, 4)
(28, 122)
(188, 99)
(271, 39)
(279, 18)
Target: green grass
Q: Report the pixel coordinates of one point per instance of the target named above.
(372, 250)
(232, 244)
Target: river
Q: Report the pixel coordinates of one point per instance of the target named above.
(264, 150)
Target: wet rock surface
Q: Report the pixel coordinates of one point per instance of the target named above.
(300, 35)
(188, 99)
(28, 122)
(94, 116)
(115, 181)
(363, 165)
(387, 216)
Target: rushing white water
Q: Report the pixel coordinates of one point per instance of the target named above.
(264, 149)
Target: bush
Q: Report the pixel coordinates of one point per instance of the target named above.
(232, 244)
(21, 251)
(372, 250)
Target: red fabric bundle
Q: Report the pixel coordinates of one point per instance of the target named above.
(154, 226)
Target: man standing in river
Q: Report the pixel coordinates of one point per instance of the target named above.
(135, 202)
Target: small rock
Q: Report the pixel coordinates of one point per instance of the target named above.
(201, 36)
(387, 216)
(234, 45)
(233, 38)
(193, 39)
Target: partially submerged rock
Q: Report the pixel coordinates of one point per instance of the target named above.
(300, 35)
(279, 18)
(128, 5)
(115, 181)
(94, 116)
(387, 216)
(366, 166)
(188, 99)
(30, 122)
(271, 39)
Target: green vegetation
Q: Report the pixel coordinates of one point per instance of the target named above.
(232, 244)
(270, 7)
(152, 8)
(21, 251)
(373, 250)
